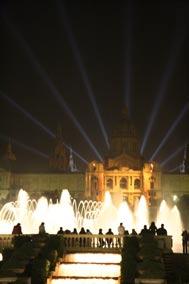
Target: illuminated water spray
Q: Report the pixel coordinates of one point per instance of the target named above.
(89, 214)
(172, 221)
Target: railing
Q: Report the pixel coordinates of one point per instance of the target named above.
(5, 241)
(100, 242)
(92, 242)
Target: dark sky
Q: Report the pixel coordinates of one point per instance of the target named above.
(141, 44)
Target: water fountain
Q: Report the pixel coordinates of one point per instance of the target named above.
(90, 214)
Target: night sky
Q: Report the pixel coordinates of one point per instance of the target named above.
(133, 52)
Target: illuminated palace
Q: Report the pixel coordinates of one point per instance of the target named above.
(124, 173)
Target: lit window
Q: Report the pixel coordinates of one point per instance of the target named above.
(109, 183)
(137, 183)
(123, 183)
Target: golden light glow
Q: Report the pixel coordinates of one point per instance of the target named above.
(85, 281)
(93, 257)
(88, 270)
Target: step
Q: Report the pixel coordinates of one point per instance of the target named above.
(88, 270)
(92, 257)
(83, 280)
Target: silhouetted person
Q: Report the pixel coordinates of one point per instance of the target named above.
(67, 240)
(89, 240)
(133, 232)
(74, 240)
(184, 241)
(60, 232)
(144, 231)
(126, 233)
(82, 241)
(75, 231)
(162, 231)
(42, 229)
(153, 228)
(109, 240)
(17, 230)
(101, 240)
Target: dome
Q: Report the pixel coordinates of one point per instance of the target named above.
(124, 141)
(125, 127)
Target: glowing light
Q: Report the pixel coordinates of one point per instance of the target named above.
(1, 257)
(92, 257)
(88, 270)
(174, 154)
(171, 129)
(175, 198)
(164, 83)
(141, 214)
(125, 216)
(85, 281)
(82, 69)
(43, 74)
(169, 217)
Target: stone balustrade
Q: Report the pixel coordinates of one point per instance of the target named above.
(92, 241)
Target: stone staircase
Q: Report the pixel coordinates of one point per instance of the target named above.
(90, 268)
(177, 268)
(15, 271)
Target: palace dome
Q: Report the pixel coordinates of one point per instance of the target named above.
(124, 141)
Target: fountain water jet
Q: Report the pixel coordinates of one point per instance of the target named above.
(172, 221)
(89, 214)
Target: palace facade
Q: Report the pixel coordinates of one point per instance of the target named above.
(124, 173)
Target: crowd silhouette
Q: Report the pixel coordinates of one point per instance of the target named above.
(105, 239)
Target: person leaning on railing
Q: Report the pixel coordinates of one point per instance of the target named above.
(109, 240)
(75, 240)
(89, 240)
(82, 241)
(101, 241)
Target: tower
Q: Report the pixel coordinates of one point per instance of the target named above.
(59, 160)
(9, 157)
(185, 164)
(72, 165)
(124, 145)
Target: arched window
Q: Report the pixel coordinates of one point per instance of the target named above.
(137, 183)
(123, 183)
(109, 183)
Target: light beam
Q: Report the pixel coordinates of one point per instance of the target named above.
(174, 169)
(127, 87)
(175, 51)
(38, 123)
(173, 155)
(26, 147)
(171, 129)
(43, 74)
(27, 114)
(82, 69)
